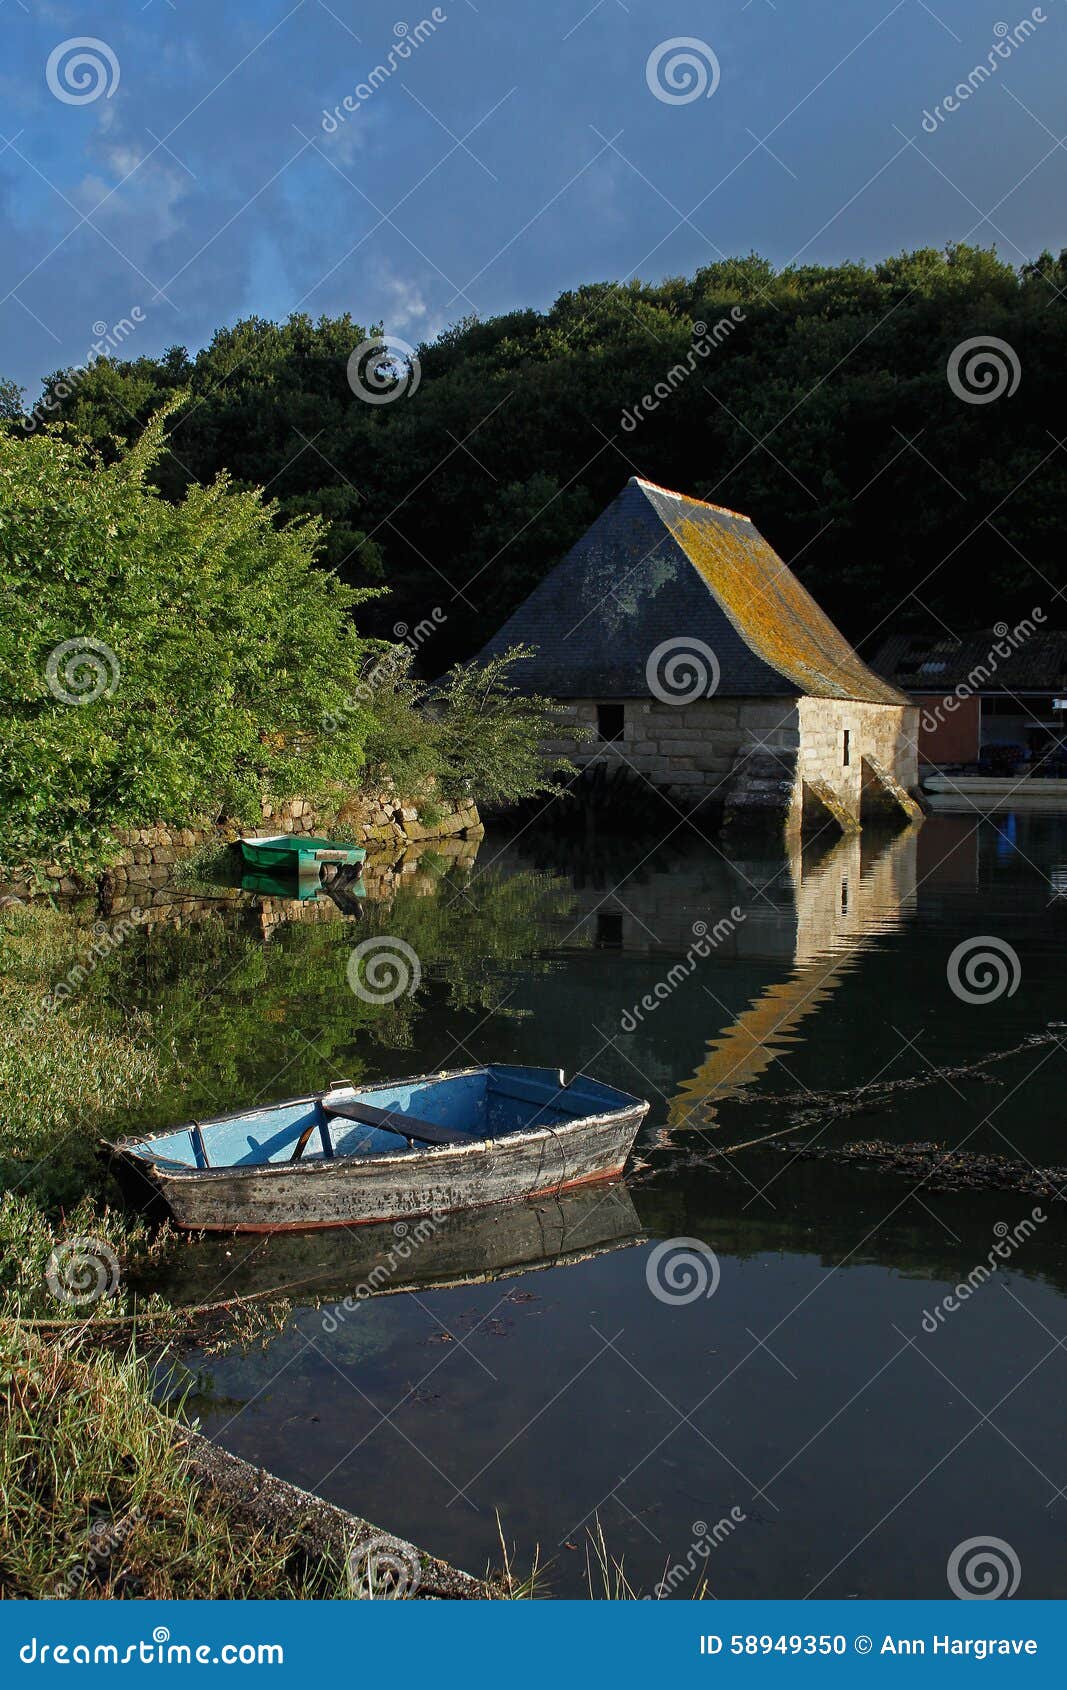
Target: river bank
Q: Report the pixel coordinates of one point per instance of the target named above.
(106, 1493)
(486, 1386)
(105, 1496)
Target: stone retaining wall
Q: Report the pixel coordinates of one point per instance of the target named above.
(323, 1529)
(383, 876)
(380, 821)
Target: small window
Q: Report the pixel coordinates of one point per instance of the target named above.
(845, 749)
(610, 721)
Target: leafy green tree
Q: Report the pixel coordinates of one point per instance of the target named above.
(474, 731)
(11, 407)
(490, 733)
(158, 661)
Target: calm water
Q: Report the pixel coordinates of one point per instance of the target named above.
(537, 1363)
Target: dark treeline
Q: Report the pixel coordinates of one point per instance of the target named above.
(795, 404)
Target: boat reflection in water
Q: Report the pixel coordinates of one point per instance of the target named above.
(342, 889)
(469, 1247)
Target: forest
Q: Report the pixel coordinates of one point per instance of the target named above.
(911, 484)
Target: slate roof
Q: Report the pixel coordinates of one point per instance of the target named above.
(657, 566)
(934, 664)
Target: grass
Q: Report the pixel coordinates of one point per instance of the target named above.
(95, 1496)
(605, 1574)
(96, 1499)
(65, 1063)
(68, 1062)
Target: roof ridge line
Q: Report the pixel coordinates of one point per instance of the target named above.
(672, 493)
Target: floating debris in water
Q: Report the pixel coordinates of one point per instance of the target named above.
(879, 1093)
(940, 1169)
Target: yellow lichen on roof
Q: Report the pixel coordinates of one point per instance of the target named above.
(686, 499)
(776, 616)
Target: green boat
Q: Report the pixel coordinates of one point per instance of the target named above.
(296, 888)
(295, 853)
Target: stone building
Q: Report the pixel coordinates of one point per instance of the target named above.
(677, 637)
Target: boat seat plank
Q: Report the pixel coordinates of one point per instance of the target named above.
(407, 1126)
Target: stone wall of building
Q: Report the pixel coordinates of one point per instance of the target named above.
(772, 761)
(882, 739)
(688, 750)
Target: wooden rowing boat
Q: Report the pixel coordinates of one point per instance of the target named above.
(347, 1156)
(295, 853)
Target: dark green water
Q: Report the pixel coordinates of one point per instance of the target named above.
(536, 1365)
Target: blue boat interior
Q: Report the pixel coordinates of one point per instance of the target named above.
(486, 1104)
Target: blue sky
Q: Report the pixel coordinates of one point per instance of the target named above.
(516, 151)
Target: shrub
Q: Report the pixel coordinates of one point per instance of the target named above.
(158, 661)
(490, 733)
(475, 731)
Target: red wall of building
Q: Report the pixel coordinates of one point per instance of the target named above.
(948, 735)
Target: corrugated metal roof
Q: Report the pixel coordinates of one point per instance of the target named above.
(658, 566)
(934, 663)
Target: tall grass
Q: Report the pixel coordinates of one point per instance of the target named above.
(67, 1061)
(96, 1499)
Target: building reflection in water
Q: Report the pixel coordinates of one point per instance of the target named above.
(810, 913)
(839, 904)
